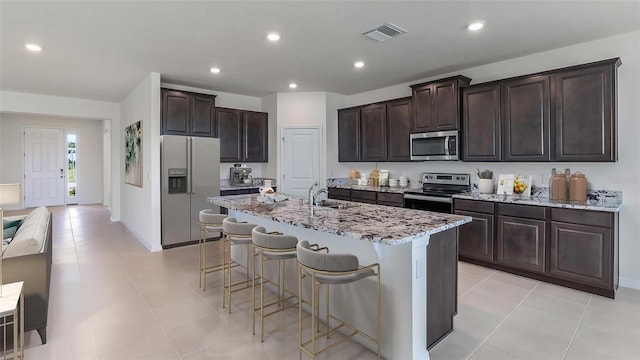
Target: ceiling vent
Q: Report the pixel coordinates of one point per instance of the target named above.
(384, 32)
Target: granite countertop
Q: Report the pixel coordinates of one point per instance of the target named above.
(231, 187)
(597, 202)
(375, 223)
(387, 189)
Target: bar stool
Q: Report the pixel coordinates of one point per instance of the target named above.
(271, 246)
(331, 269)
(234, 233)
(210, 222)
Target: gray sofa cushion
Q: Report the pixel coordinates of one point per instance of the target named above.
(29, 239)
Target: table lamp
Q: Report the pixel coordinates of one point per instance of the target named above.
(9, 194)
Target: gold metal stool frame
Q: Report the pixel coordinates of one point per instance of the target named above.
(304, 271)
(206, 227)
(269, 253)
(228, 287)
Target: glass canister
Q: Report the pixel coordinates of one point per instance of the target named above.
(578, 187)
(383, 178)
(559, 187)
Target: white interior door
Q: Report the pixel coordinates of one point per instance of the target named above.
(44, 175)
(300, 160)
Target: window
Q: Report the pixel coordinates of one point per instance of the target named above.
(71, 166)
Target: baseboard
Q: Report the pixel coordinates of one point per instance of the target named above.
(628, 283)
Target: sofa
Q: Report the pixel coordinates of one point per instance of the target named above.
(26, 256)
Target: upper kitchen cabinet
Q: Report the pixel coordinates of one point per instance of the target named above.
(436, 105)
(373, 125)
(243, 135)
(558, 115)
(255, 131)
(526, 118)
(585, 112)
(349, 134)
(481, 123)
(188, 114)
(399, 130)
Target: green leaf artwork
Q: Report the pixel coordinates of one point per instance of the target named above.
(133, 154)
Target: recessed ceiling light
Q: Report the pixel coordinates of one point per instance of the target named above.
(293, 85)
(215, 70)
(358, 64)
(475, 26)
(34, 47)
(273, 36)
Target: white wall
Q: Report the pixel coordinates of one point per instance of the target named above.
(141, 205)
(35, 104)
(623, 175)
(89, 151)
(270, 106)
(298, 109)
(106, 162)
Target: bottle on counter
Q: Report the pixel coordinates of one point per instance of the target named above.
(559, 186)
(578, 187)
(552, 195)
(383, 178)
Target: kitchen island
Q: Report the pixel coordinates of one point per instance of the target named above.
(417, 252)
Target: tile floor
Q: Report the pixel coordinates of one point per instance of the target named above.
(112, 299)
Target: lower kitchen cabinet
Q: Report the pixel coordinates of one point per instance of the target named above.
(391, 199)
(340, 194)
(583, 253)
(520, 243)
(364, 196)
(476, 237)
(369, 197)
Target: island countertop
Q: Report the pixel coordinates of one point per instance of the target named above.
(376, 223)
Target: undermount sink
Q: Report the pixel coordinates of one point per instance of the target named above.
(334, 204)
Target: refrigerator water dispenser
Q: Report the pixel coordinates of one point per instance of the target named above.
(177, 181)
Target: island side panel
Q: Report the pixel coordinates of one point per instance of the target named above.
(403, 300)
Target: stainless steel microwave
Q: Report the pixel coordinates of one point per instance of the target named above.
(439, 145)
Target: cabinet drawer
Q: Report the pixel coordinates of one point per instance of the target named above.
(523, 211)
(584, 217)
(341, 194)
(363, 196)
(473, 205)
(392, 199)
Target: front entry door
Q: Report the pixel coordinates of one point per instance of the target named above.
(44, 176)
(301, 160)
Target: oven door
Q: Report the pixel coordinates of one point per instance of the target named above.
(429, 203)
(441, 145)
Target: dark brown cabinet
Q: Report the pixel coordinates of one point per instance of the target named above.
(559, 115)
(580, 252)
(436, 105)
(243, 135)
(520, 243)
(373, 125)
(339, 193)
(526, 117)
(188, 114)
(585, 119)
(390, 199)
(365, 196)
(481, 123)
(349, 135)
(399, 130)
(476, 238)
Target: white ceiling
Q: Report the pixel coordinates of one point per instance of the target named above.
(100, 50)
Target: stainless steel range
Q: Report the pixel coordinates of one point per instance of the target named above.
(437, 192)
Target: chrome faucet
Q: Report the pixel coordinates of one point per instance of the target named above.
(315, 196)
(311, 198)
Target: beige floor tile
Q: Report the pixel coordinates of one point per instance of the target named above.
(153, 344)
(201, 333)
(466, 281)
(613, 323)
(627, 303)
(500, 290)
(515, 280)
(474, 269)
(563, 309)
(594, 344)
(564, 293)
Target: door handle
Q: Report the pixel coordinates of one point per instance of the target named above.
(61, 171)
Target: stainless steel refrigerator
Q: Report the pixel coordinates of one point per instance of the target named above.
(190, 174)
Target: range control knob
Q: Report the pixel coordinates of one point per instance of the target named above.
(457, 177)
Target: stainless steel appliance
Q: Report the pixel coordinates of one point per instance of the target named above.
(437, 192)
(190, 168)
(440, 145)
(238, 176)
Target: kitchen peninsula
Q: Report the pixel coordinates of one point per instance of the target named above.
(417, 252)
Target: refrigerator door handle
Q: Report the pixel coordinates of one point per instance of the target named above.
(189, 163)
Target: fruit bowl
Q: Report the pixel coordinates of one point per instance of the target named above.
(519, 186)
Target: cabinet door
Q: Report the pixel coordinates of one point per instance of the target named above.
(581, 253)
(481, 123)
(203, 116)
(364, 196)
(256, 134)
(520, 243)
(584, 114)
(423, 108)
(175, 112)
(526, 115)
(475, 239)
(373, 125)
(349, 134)
(338, 193)
(399, 130)
(230, 134)
(446, 111)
